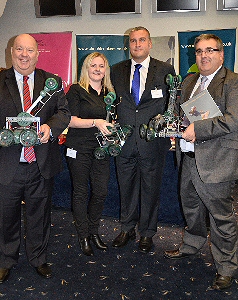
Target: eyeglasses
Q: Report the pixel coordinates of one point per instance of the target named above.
(207, 51)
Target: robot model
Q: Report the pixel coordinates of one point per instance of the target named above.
(111, 144)
(169, 124)
(25, 128)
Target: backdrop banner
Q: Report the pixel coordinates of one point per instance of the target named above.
(187, 61)
(56, 54)
(116, 48)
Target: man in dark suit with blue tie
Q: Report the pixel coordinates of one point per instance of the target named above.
(209, 156)
(140, 164)
(26, 180)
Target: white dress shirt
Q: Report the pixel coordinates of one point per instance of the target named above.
(143, 73)
(19, 79)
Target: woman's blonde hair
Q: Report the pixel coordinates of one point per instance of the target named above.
(84, 78)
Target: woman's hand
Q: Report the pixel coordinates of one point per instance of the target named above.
(103, 126)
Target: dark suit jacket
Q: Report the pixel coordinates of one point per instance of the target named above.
(129, 113)
(216, 148)
(55, 113)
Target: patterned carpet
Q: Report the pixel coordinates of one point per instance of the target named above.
(118, 274)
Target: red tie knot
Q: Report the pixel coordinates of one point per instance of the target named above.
(25, 79)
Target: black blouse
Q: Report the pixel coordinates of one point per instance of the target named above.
(86, 106)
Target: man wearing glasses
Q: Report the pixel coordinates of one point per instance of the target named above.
(209, 155)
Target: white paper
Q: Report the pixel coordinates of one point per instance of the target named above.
(71, 153)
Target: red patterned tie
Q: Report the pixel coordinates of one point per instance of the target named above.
(29, 153)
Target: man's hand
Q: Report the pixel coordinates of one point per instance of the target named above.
(189, 134)
(205, 115)
(45, 133)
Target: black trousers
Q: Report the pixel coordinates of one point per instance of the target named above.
(90, 178)
(28, 186)
(139, 183)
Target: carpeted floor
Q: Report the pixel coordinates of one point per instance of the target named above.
(170, 210)
(118, 274)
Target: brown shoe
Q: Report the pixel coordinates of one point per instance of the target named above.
(176, 254)
(221, 282)
(44, 270)
(3, 274)
(123, 238)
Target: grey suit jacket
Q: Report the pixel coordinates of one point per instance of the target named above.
(216, 146)
(55, 113)
(129, 113)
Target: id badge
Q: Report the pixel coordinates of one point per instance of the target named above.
(71, 153)
(157, 93)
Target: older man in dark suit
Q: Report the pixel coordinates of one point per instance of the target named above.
(140, 164)
(22, 178)
(209, 167)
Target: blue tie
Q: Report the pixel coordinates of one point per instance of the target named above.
(135, 86)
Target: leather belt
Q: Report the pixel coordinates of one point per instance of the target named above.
(190, 154)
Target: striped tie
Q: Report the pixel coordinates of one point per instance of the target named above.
(201, 86)
(29, 154)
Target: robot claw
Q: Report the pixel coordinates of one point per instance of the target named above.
(25, 128)
(169, 124)
(162, 126)
(27, 133)
(111, 144)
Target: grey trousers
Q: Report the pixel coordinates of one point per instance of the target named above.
(197, 197)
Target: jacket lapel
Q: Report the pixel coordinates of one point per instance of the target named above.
(189, 89)
(126, 75)
(38, 86)
(216, 81)
(149, 80)
(13, 89)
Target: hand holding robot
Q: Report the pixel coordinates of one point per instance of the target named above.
(111, 144)
(167, 125)
(25, 129)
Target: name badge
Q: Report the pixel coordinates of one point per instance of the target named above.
(157, 93)
(71, 153)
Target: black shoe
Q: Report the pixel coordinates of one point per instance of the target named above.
(221, 282)
(145, 244)
(3, 274)
(44, 270)
(86, 247)
(176, 254)
(95, 238)
(123, 238)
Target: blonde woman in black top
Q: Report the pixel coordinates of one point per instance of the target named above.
(88, 110)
